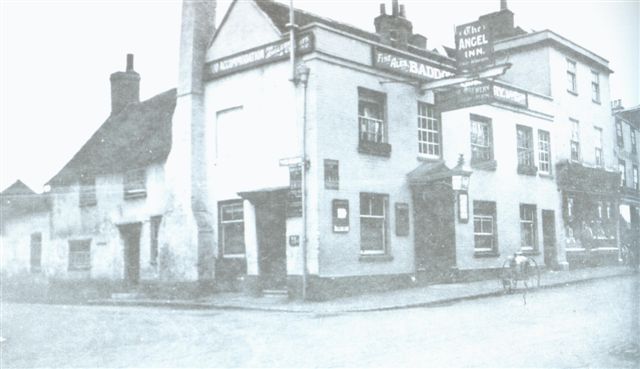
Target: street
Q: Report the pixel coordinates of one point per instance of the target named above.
(582, 325)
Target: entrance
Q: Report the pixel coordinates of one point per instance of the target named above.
(130, 234)
(272, 253)
(549, 238)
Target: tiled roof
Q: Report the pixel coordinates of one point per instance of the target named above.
(19, 199)
(137, 136)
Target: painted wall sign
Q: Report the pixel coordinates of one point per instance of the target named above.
(412, 67)
(340, 211)
(474, 45)
(479, 94)
(257, 56)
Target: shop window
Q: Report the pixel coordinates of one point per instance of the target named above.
(484, 227)
(525, 150)
(36, 252)
(372, 123)
(87, 190)
(232, 229)
(79, 255)
(595, 86)
(619, 137)
(575, 140)
(635, 178)
(528, 228)
(622, 168)
(331, 174)
(598, 148)
(135, 185)
(481, 139)
(373, 223)
(155, 229)
(428, 131)
(544, 152)
(572, 85)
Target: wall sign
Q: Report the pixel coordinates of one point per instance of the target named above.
(480, 94)
(294, 240)
(269, 53)
(463, 207)
(340, 211)
(294, 196)
(474, 45)
(412, 67)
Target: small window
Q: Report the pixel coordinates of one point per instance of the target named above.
(428, 131)
(595, 86)
(80, 255)
(484, 227)
(481, 139)
(622, 168)
(373, 223)
(635, 178)
(36, 252)
(87, 190)
(331, 174)
(155, 229)
(571, 77)
(634, 143)
(135, 184)
(232, 229)
(619, 137)
(528, 228)
(372, 123)
(544, 152)
(525, 150)
(575, 140)
(598, 147)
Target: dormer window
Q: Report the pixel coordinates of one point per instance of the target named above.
(134, 184)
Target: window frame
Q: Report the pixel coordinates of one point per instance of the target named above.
(632, 138)
(544, 152)
(533, 224)
(379, 145)
(134, 183)
(622, 169)
(599, 159)
(525, 148)
(484, 210)
(370, 196)
(79, 260)
(575, 140)
(222, 226)
(87, 191)
(572, 76)
(487, 148)
(595, 86)
(425, 119)
(634, 178)
(619, 134)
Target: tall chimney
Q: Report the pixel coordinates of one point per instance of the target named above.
(503, 5)
(125, 87)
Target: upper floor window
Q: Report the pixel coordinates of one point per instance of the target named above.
(428, 131)
(87, 190)
(544, 152)
(481, 139)
(373, 223)
(595, 86)
(598, 147)
(634, 144)
(135, 184)
(622, 168)
(525, 149)
(635, 178)
(484, 226)
(619, 137)
(575, 140)
(232, 229)
(372, 125)
(571, 77)
(528, 227)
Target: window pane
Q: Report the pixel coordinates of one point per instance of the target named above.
(233, 238)
(372, 234)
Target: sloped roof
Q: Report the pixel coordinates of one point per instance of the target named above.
(428, 172)
(632, 115)
(279, 15)
(137, 136)
(19, 199)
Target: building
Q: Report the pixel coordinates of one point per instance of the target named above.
(343, 165)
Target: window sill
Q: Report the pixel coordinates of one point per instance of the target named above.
(490, 165)
(372, 258)
(375, 148)
(135, 195)
(79, 269)
(545, 175)
(433, 159)
(89, 204)
(574, 93)
(527, 170)
(486, 254)
(531, 253)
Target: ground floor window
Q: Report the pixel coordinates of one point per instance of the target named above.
(79, 254)
(232, 229)
(484, 226)
(36, 252)
(373, 223)
(528, 227)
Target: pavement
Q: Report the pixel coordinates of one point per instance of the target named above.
(418, 296)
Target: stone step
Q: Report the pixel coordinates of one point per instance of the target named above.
(275, 292)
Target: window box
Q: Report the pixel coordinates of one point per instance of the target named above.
(527, 170)
(374, 148)
(134, 184)
(486, 254)
(375, 258)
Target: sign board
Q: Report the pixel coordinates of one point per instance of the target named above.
(474, 45)
(269, 53)
(408, 66)
(340, 211)
(479, 94)
(294, 196)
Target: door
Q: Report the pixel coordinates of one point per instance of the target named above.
(549, 238)
(272, 253)
(130, 234)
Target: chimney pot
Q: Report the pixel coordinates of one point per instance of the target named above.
(394, 8)
(129, 62)
(503, 5)
(402, 13)
(383, 9)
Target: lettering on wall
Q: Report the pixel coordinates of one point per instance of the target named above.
(391, 61)
(474, 45)
(480, 93)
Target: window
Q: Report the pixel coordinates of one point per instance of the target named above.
(622, 168)
(371, 123)
(544, 152)
(331, 174)
(598, 147)
(619, 137)
(595, 86)
(634, 144)
(232, 229)
(155, 228)
(481, 139)
(135, 184)
(36, 252)
(575, 140)
(87, 190)
(373, 223)
(484, 226)
(80, 255)
(528, 224)
(428, 131)
(635, 178)
(571, 77)
(525, 149)
(570, 207)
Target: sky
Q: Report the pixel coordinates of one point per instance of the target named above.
(56, 58)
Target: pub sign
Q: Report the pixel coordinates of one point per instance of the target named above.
(474, 45)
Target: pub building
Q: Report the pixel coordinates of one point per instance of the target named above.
(319, 159)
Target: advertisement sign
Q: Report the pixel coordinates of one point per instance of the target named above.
(340, 211)
(479, 94)
(474, 45)
(412, 67)
(261, 55)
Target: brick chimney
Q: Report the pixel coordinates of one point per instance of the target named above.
(500, 22)
(394, 30)
(125, 87)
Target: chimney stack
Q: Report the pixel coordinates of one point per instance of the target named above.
(394, 30)
(125, 87)
(394, 8)
(383, 9)
(503, 5)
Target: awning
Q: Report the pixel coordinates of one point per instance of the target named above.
(277, 194)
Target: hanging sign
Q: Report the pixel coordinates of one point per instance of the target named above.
(479, 94)
(412, 67)
(474, 45)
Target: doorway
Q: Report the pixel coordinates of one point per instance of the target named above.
(549, 238)
(272, 253)
(130, 234)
